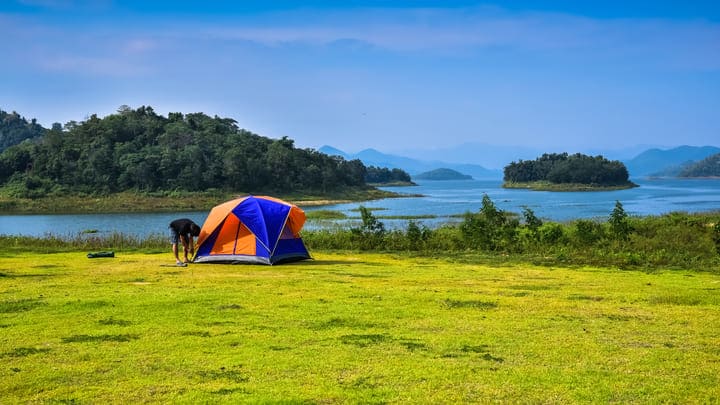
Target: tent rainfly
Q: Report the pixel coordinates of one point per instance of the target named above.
(252, 230)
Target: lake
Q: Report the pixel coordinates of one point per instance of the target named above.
(441, 199)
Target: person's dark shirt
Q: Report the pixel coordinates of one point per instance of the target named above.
(183, 226)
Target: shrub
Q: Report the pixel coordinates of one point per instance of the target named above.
(370, 235)
(552, 233)
(619, 224)
(587, 232)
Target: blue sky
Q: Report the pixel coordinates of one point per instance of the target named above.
(396, 76)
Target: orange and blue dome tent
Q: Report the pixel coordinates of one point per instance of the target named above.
(252, 230)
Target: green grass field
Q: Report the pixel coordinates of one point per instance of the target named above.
(352, 328)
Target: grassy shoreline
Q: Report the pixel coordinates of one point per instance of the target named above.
(170, 201)
(548, 186)
(352, 328)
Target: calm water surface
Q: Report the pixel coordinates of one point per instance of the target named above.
(441, 198)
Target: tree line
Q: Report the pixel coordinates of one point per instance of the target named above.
(15, 129)
(137, 149)
(565, 168)
(708, 167)
(385, 175)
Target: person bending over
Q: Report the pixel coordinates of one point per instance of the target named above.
(183, 230)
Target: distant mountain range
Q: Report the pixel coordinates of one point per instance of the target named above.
(642, 163)
(496, 157)
(670, 162)
(372, 157)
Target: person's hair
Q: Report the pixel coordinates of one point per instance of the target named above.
(195, 230)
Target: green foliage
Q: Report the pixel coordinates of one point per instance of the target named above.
(561, 168)
(416, 235)
(532, 222)
(15, 129)
(378, 175)
(673, 240)
(708, 167)
(489, 229)
(443, 174)
(143, 151)
(588, 232)
(370, 234)
(552, 233)
(619, 224)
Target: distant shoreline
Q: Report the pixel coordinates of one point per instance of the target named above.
(683, 177)
(565, 187)
(135, 202)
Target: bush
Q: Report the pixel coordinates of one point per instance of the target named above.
(587, 232)
(552, 233)
(370, 235)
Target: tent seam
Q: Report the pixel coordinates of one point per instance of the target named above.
(281, 232)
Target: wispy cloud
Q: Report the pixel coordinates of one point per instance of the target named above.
(129, 48)
(662, 41)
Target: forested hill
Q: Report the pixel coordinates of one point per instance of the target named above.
(561, 168)
(708, 167)
(15, 129)
(141, 150)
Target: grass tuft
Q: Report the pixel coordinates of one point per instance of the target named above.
(675, 300)
(25, 351)
(580, 297)
(22, 305)
(98, 338)
(477, 304)
(233, 374)
(229, 306)
(113, 321)
(363, 340)
(196, 333)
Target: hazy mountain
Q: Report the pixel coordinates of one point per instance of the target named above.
(329, 150)
(657, 161)
(497, 156)
(487, 156)
(442, 174)
(639, 160)
(373, 157)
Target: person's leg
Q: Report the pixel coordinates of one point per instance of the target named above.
(175, 252)
(186, 248)
(174, 240)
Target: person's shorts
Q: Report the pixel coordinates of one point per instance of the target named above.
(174, 237)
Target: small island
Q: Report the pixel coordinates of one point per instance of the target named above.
(442, 174)
(564, 172)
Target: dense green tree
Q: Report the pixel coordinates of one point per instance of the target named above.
(141, 150)
(14, 129)
(708, 167)
(564, 168)
(489, 229)
(385, 175)
(619, 223)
